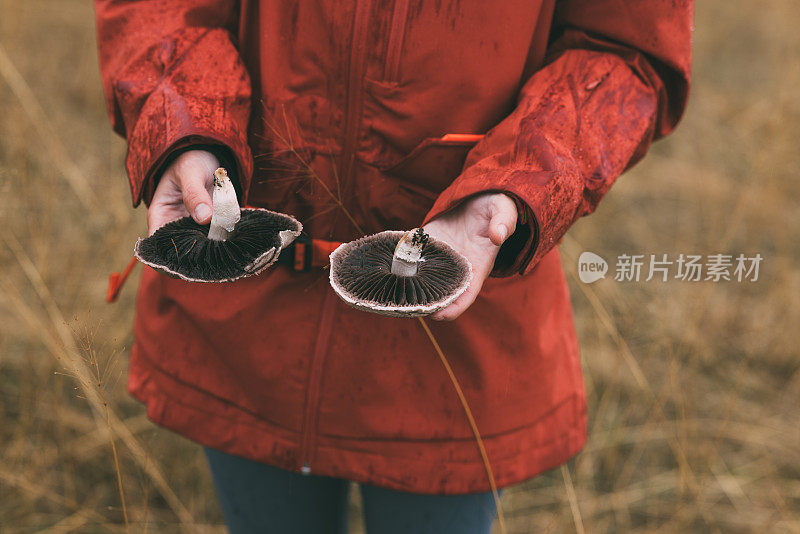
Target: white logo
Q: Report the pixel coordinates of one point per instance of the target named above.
(591, 267)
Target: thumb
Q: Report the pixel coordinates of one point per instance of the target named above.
(197, 200)
(503, 221)
(195, 175)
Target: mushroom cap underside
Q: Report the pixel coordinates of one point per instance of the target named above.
(182, 249)
(361, 275)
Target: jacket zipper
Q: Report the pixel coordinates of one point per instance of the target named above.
(355, 81)
(391, 70)
(314, 382)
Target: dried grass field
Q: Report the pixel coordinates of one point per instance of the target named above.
(694, 387)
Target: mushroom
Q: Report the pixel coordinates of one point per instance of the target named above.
(237, 242)
(399, 274)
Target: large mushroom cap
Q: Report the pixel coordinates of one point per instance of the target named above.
(182, 248)
(361, 274)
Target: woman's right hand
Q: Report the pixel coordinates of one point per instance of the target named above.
(185, 188)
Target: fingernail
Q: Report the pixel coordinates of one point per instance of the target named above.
(202, 212)
(503, 232)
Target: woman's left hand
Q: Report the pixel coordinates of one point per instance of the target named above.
(476, 229)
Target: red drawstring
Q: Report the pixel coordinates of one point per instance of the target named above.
(116, 280)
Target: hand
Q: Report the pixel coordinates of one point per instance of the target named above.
(476, 229)
(184, 188)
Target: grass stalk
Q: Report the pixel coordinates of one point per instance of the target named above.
(468, 412)
(572, 497)
(101, 391)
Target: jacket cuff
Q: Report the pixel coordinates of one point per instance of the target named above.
(155, 142)
(518, 249)
(145, 170)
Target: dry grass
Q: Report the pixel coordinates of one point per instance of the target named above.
(693, 387)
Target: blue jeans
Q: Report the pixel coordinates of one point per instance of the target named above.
(259, 498)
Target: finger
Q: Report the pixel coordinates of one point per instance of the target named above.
(194, 171)
(160, 214)
(504, 220)
(458, 306)
(155, 220)
(464, 300)
(167, 191)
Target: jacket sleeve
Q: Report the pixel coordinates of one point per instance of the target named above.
(173, 79)
(616, 77)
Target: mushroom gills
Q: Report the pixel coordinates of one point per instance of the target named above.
(181, 247)
(368, 273)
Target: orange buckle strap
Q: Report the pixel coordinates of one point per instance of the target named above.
(116, 281)
(461, 139)
(306, 253)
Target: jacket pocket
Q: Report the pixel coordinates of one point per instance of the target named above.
(434, 163)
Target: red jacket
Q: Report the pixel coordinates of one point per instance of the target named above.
(275, 368)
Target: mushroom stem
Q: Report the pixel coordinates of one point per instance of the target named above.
(408, 252)
(226, 211)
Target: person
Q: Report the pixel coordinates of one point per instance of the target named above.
(495, 125)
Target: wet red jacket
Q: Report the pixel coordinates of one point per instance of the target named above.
(357, 95)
